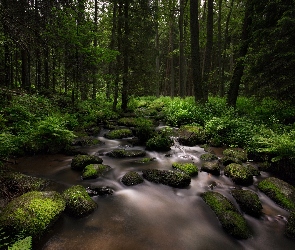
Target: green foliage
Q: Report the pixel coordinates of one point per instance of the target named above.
(22, 244)
(160, 142)
(119, 133)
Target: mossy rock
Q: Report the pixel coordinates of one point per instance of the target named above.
(191, 135)
(78, 201)
(79, 162)
(229, 217)
(159, 142)
(134, 121)
(290, 227)
(239, 174)
(208, 157)
(119, 134)
(188, 168)
(93, 171)
(101, 191)
(32, 213)
(248, 201)
(167, 177)
(14, 184)
(145, 160)
(122, 153)
(211, 167)
(279, 191)
(254, 171)
(86, 141)
(238, 154)
(131, 178)
(226, 160)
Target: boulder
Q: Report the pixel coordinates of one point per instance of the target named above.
(78, 201)
(122, 153)
(191, 135)
(131, 178)
(32, 213)
(239, 154)
(208, 157)
(93, 191)
(145, 160)
(93, 171)
(231, 220)
(79, 162)
(119, 133)
(211, 167)
(239, 174)
(187, 168)
(159, 142)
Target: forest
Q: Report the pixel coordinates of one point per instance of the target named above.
(218, 72)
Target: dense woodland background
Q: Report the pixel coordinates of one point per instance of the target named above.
(127, 48)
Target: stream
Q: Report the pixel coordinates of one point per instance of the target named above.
(151, 216)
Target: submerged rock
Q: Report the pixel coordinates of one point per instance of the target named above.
(93, 191)
(93, 171)
(239, 174)
(79, 162)
(32, 213)
(119, 134)
(122, 153)
(248, 201)
(131, 178)
(211, 167)
(231, 220)
(78, 201)
(167, 177)
(188, 168)
(279, 191)
(290, 227)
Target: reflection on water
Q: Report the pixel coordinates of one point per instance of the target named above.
(152, 216)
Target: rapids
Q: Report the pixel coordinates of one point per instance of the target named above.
(151, 216)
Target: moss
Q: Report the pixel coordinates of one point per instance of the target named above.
(79, 162)
(208, 157)
(188, 168)
(254, 171)
(32, 213)
(167, 177)
(134, 121)
(248, 201)
(145, 160)
(279, 191)
(86, 141)
(22, 244)
(239, 174)
(159, 142)
(131, 178)
(119, 133)
(93, 171)
(290, 227)
(191, 135)
(238, 154)
(78, 201)
(231, 220)
(211, 167)
(226, 160)
(121, 153)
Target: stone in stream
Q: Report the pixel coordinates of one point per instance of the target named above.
(32, 213)
(79, 162)
(122, 153)
(208, 157)
(211, 167)
(191, 135)
(131, 178)
(167, 177)
(119, 133)
(279, 191)
(290, 227)
(94, 171)
(239, 174)
(187, 168)
(228, 215)
(93, 191)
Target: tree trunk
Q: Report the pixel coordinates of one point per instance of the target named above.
(182, 84)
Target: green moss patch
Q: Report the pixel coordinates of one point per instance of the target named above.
(191, 135)
(208, 157)
(239, 174)
(32, 213)
(79, 162)
(167, 177)
(211, 167)
(248, 201)
(122, 153)
(119, 133)
(188, 168)
(290, 227)
(93, 171)
(254, 170)
(279, 191)
(78, 201)
(231, 220)
(131, 178)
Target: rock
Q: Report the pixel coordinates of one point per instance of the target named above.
(211, 167)
(131, 178)
(239, 154)
(290, 227)
(167, 177)
(226, 160)
(93, 191)
(121, 153)
(248, 201)
(231, 220)
(159, 142)
(239, 174)
(119, 134)
(188, 168)
(93, 171)
(79, 162)
(78, 201)
(32, 213)
(191, 135)
(145, 160)
(86, 141)
(279, 191)
(254, 171)
(208, 157)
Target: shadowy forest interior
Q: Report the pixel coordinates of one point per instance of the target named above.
(218, 74)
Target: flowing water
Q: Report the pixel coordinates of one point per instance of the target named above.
(151, 216)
